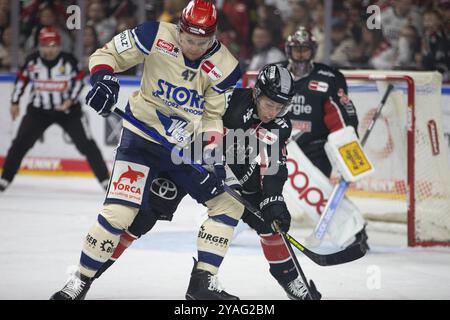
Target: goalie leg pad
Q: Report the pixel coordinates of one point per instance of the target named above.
(307, 190)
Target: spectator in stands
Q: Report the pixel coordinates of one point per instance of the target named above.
(172, 10)
(270, 16)
(47, 17)
(369, 46)
(5, 50)
(397, 16)
(435, 44)
(408, 48)
(104, 26)
(300, 16)
(264, 50)
(342, 44)
(90, 43)
(4, 20)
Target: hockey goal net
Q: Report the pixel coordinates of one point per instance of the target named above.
(411, 183)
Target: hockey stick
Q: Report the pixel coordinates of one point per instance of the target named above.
(346, 255)
(310, 286)
(339, 190)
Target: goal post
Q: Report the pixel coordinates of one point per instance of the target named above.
(411, 183)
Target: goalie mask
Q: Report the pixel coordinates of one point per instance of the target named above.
(199, 18)
(276, 83)
(300, 40)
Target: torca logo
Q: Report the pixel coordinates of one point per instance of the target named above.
(181, 96)
(132, 176)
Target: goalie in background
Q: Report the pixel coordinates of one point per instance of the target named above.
(56, 84)
(320, 106)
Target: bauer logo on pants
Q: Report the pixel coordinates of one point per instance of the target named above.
(128, 181)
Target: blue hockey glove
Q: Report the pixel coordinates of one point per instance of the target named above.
(104, 93)
(213, 182)
(274, 209)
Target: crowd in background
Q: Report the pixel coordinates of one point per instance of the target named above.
(414, 35)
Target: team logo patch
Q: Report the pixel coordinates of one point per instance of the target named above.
(122, 42)
(164, 188)
(166, 47)
(318, 86)
(211, 70)
(266, 136)
(304, 126)
(128, 181)
(175, 127)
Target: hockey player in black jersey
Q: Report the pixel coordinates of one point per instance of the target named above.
(320, 105)
(56, 84)
(262, 113)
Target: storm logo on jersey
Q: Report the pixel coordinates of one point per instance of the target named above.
(174, 96)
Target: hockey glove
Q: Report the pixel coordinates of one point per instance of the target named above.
(104, 93)
(274, 209)
(212, 180)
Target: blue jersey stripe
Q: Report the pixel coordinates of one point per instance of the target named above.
(226, 219)
(144, 35)
(229, 81)
(105, 224)
(89, 263)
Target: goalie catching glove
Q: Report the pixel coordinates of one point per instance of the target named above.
(275, 212)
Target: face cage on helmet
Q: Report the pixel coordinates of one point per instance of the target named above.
(310, 46)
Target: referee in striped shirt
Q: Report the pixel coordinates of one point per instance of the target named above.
(56, 84)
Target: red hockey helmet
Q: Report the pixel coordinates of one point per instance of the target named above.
(49, 35)
(301, 38)
(199, 18)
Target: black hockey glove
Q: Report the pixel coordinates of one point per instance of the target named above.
(104, 93)
(274, 209)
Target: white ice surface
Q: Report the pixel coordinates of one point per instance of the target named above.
(44, 220)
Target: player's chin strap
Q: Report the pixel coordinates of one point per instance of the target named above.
(349, 254)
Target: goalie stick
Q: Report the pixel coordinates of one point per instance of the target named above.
(339, 190)
(340, 257)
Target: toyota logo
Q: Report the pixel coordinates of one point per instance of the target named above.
(164, 188)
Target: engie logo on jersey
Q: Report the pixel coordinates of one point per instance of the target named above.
(166, 47)
(318, 86)
(211, 70)
(128, 181)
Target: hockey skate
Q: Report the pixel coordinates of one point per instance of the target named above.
(205, 286)
(296, 290)
(76, 288)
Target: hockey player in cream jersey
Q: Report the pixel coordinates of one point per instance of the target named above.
(186, 79)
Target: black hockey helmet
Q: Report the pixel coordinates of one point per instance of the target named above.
(276, 83)
(301, 38)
